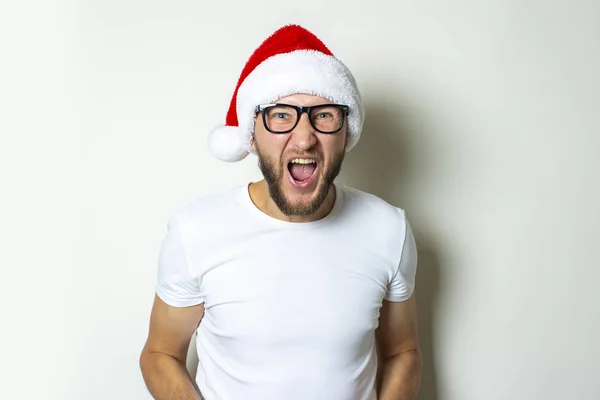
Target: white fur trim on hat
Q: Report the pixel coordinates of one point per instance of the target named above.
(297, 72)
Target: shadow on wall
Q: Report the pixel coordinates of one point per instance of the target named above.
(384, 163)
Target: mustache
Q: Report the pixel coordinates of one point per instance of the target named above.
(311, 154)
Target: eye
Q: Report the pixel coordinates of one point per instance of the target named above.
(280, 114)
(322, 115)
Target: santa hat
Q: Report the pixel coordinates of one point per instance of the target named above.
(290, 61)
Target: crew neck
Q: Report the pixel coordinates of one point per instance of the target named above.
(246, 200)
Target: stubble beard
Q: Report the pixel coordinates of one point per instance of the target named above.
(274, 178)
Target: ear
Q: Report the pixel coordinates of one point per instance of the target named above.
(257, 120)
(347, 136)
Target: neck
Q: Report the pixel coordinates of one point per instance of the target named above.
(259, 193)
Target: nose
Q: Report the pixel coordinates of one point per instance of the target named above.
(303, 135)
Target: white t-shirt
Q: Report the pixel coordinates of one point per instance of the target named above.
(290, 308)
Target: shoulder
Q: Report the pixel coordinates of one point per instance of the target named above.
(207, 208)
(384, 224)
(370, 207)
(381, 226)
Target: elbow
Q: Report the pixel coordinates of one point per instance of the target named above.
(412, 359)
(143, 360)
(147, 360)
(414, 354)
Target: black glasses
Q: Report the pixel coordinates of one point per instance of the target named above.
(283, 118)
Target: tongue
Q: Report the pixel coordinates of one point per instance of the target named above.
(302, 172)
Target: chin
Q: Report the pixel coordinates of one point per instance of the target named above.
(300, 202)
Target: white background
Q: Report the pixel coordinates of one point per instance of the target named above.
(482, 122)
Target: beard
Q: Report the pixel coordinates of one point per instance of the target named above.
(274, 177)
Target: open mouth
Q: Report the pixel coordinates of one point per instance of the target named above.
(302, 171)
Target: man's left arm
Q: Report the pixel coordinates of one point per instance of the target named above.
(397, 337)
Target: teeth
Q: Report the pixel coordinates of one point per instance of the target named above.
(303, 161)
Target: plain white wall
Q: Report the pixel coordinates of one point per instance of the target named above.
(482, 122)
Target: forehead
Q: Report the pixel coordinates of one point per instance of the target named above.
(303, 100)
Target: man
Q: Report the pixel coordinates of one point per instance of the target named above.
(290, 283)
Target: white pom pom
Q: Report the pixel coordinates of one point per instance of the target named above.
(225, 143)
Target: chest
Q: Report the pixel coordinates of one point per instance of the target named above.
(296, 289)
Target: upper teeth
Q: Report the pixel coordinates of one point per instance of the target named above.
(303, 161)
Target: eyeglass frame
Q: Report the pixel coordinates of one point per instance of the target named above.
(262, 108)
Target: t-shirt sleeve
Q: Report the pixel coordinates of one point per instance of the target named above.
(402, 284)
(175, 285)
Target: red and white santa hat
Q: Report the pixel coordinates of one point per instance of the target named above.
(290, 61)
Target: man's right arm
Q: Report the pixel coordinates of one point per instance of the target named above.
(163, 359)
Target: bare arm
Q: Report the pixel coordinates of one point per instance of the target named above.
(163, 359)
(397, 336)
